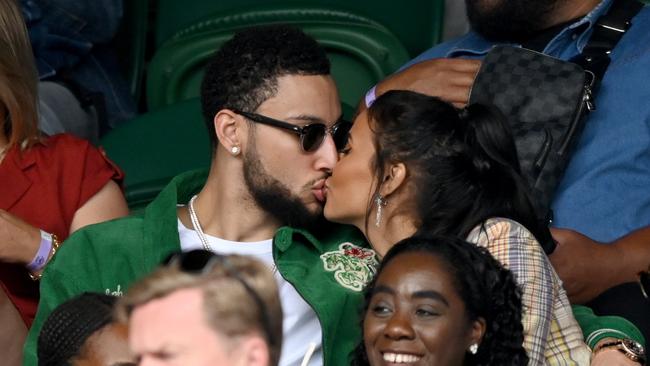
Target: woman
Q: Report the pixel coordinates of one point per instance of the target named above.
(442, 301)
(81, 332)
(415, 164)
(49, 186)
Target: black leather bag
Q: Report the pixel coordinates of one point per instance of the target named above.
(545, 101)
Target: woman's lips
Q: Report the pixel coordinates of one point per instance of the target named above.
(400, 357)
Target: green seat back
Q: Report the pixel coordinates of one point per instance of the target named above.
(131, 43)
(417, 24)
(154, 147)
(362, 52)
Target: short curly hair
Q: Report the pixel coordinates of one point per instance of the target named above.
(488, 290)
(243, 73)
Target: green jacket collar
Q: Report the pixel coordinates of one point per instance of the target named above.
(160, 218)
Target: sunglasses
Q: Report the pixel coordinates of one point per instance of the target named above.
(644, 282)
(311, 135)
(200, 262)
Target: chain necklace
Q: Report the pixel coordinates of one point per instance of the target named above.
(197, 226)
(199, 230)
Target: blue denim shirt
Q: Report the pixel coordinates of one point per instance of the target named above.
(74, 36)
(63, 31)
(605, 192)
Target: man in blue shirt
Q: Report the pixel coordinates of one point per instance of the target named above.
(604, 196)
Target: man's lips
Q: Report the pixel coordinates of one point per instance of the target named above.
(319, 190)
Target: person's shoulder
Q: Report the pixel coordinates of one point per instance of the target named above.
(89, 248)
(642, 18)
(107, 236)
(633, 45)
(65, 141)
(501, 228)
(441, 49)
(60, 147)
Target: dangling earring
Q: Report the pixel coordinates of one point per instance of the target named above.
(235, 150)
(379, 202)
(473, 348)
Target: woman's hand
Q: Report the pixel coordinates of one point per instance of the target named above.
(19, 241)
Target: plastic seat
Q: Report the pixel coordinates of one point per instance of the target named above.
(132, 44)
(362, 51)
(154, 147)
(417, 24)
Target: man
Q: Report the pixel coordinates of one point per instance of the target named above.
(225, 313)
(271, 109)
(603, 198)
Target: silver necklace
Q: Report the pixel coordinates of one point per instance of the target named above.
(197, 226)
(199, 230)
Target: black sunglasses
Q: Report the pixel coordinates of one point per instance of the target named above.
(644, 282)
(311, 135)
(200, 262)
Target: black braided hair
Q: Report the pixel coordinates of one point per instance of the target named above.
(488, 290)
(69, 326)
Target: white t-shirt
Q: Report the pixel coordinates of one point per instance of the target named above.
(301, 328)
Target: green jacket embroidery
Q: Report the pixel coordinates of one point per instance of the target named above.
(110, 256)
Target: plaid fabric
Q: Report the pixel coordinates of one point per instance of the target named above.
(551, 334)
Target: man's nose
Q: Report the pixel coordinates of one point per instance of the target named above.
(326, 154)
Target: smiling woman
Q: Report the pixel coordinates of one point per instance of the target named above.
(441, 301)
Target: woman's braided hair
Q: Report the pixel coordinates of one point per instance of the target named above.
(487, 289)
(69, 326)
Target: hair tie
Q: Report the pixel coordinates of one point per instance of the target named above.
(464, 114)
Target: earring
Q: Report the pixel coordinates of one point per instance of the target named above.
(473, 348)
(379, 202)
(235, 150)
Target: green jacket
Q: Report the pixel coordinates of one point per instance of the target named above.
(328, 269)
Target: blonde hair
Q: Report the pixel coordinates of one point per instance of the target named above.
(18, 79)
(228, 306)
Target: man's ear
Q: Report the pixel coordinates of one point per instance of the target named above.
(394, 177)
(256, 352)
(228, 129)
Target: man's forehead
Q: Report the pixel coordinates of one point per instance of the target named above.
(308, 98)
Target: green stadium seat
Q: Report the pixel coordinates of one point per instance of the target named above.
(417, 24)
(154, 147)
(362, 51)
(131, 44)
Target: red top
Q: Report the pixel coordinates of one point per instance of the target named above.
(45, 185)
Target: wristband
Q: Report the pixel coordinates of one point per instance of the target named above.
(370, 96)
(43, 253)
